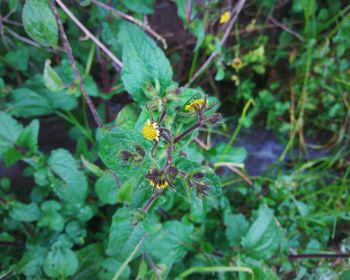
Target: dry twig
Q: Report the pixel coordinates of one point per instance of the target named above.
(139, 23)
(89, 34)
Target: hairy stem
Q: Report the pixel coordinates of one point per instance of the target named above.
(188, 131)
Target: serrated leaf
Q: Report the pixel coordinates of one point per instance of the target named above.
(40, 23)
(34, 99)
(90, 258)
(10, 130)
(51, 79)
(32, 261)
(263, 237)
(25, 212)
(29, 137)
(112, 143)
(144, 63)
(171, 238)
(106, 189)
(123, 235)
(236, 228)
(109, 267)
(72, 185)
(60, 262)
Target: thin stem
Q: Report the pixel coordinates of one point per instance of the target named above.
(235, 12)
(88, 33)
(285, 28)
(150, 201)
(139, 23)
(28, 41)
(188, 131)
(69, 53)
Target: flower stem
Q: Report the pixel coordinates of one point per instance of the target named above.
(188, 131)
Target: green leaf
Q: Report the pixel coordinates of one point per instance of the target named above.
(170, 238)
(50, 216)
(29, 137)
(90, 258)
(109, 267)
(140, 6)
(51, 79)
(18, 58)
(234, 154)
(34, 99)
(106, 189)
(123, 235)
(10, 130)
(236, 228)
(25, 212)
(144, 64)
(127, 117)
(60, 262)
(112, 143)
(125, 192)
(40, 23)
(13, 4)
(264, 236)
(72, 185)
(32, 261)
(93, 168)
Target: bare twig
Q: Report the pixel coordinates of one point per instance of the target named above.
(285, 28)
(234, 168)
(77, 76)
(89, 34)
(139, 23)
(307, 256)
(235, 12)
(30, 42)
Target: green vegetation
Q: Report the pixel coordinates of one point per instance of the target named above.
(174, 139)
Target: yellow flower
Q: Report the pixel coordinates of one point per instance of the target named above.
(196, 105)
(235, 79)
(237, 63)
(160, 185)
(225, 17)
(151, 131)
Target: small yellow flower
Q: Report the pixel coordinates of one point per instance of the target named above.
(196, 105)
(235, 79)
(237, 63)
(151, 131)
(161, 185)
(225, 17)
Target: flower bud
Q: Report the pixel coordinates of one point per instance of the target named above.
(172, 172)
(198, 176)
(140, 150)
(125, 155)
(214, 118)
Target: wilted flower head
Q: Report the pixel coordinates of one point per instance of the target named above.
(151, 131)
(156, 179)
(237, 63)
